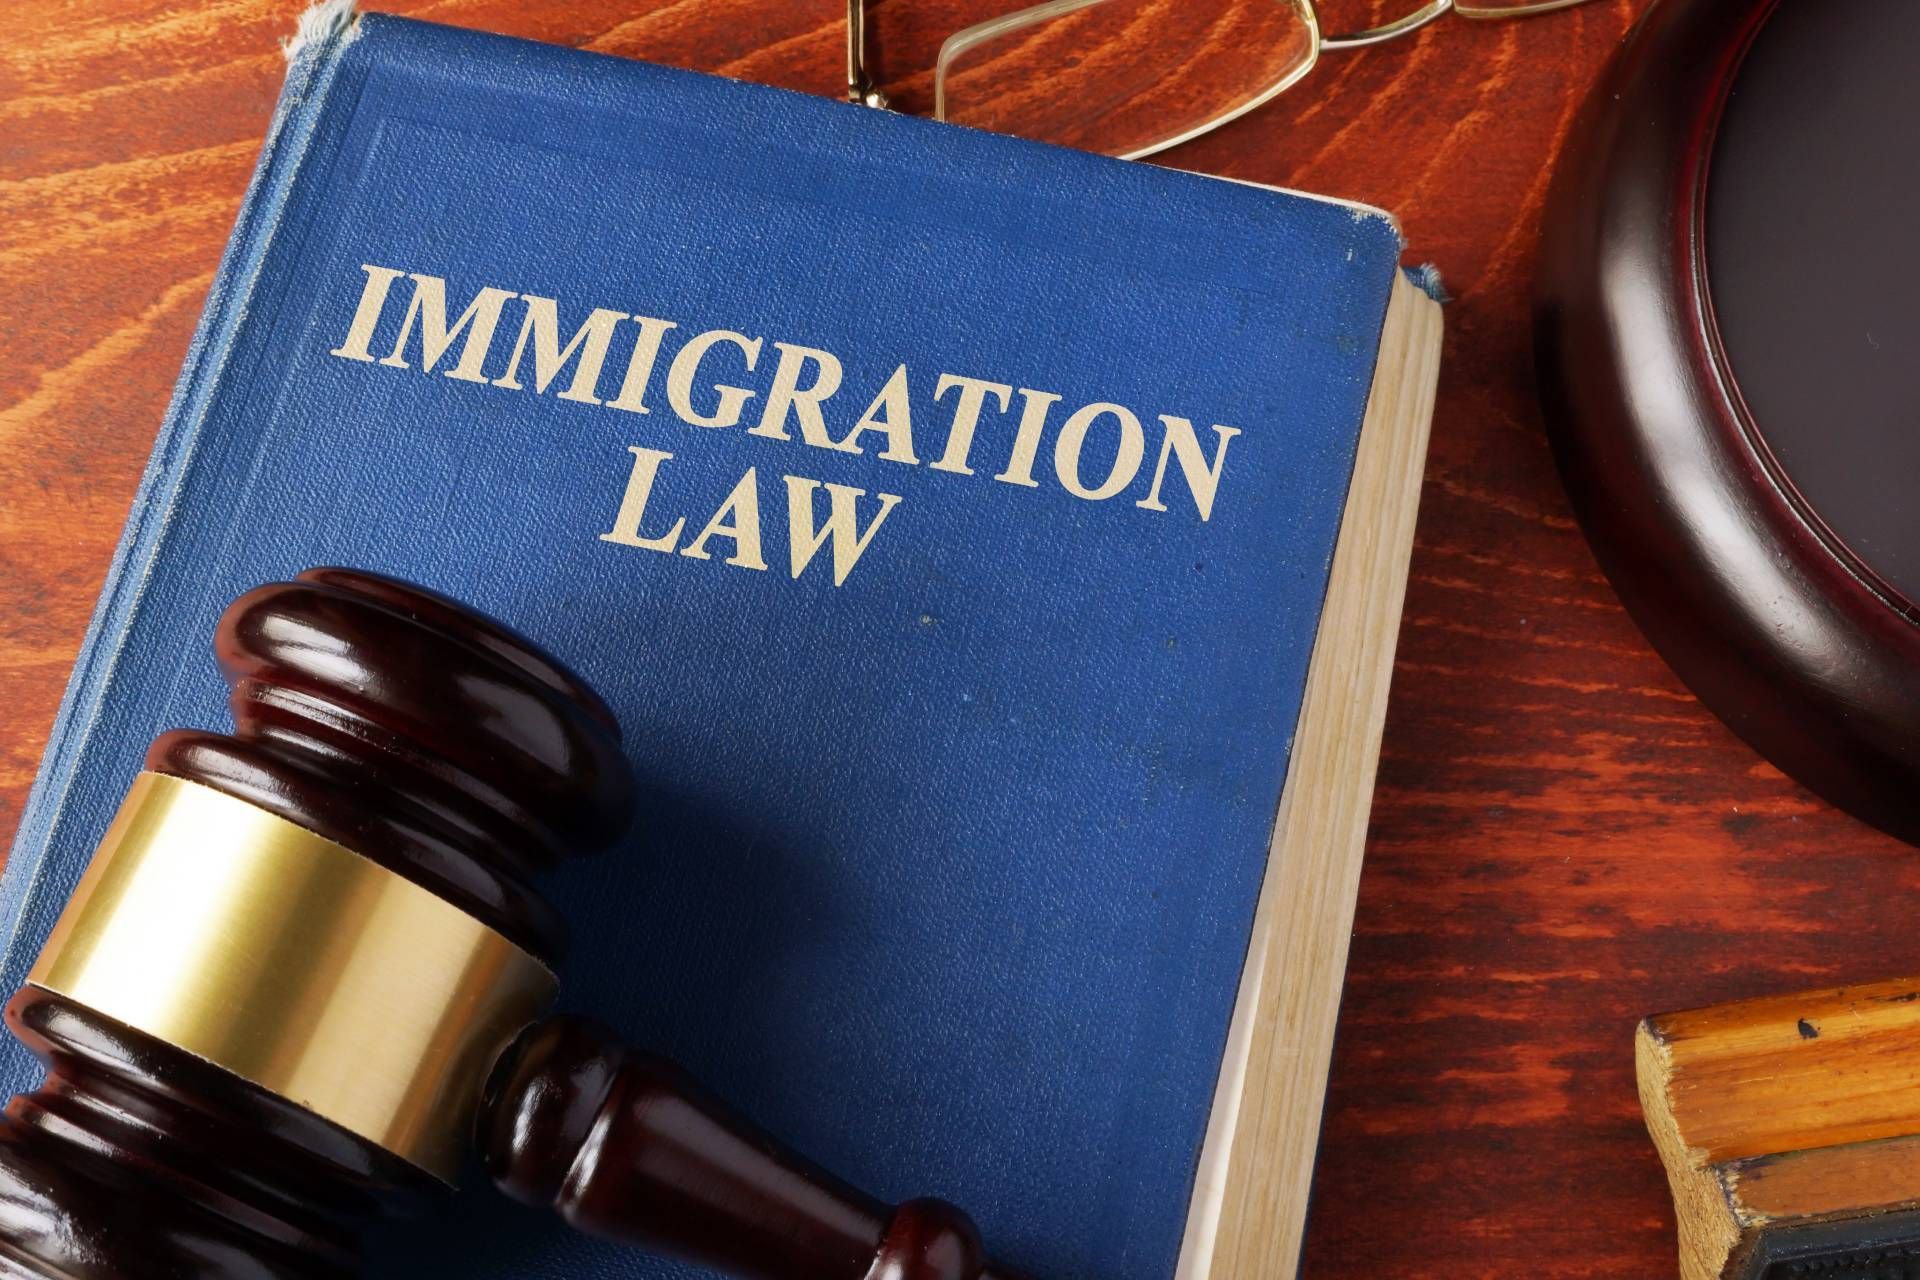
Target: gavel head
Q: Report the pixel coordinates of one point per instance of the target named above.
(273, 1002)
(419, 734)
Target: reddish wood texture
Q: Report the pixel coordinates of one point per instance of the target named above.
(1563, 839)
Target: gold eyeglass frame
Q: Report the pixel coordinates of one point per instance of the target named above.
(862, 89)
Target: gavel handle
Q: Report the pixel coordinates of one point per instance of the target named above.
(628, 1147)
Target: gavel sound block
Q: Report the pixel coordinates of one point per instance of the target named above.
(302, 979)
(1790, 1130)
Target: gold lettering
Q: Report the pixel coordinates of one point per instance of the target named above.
(1203, 481)
(966, 417)
(785, 396)
(741, 516)
(804, 538)
(896, 425)
(1026, 440)
(686, 367)
(366, 316)
(646, 351)
(633, 506)
(428, 306)
(1073, 438)
(797, 391)
(590, 340)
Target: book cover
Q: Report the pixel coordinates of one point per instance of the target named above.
(946, 517)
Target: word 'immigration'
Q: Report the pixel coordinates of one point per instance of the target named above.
(1100, 450)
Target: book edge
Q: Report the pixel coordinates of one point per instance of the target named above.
(1250, 1198)
(1359, 208)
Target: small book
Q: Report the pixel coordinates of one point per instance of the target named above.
(993, 553)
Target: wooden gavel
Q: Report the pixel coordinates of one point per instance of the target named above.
(302, 980)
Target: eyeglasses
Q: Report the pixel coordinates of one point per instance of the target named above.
(1134, 77)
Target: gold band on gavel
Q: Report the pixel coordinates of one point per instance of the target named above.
(296, 964)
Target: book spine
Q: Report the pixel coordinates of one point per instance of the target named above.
(313, 57)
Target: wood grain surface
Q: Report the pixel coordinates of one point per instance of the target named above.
(1563, 840)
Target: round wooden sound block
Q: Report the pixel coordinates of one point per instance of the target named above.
(1730, 363)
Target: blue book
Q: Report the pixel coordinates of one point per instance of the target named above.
(978, 541)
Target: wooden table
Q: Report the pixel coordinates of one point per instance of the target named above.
(1562, 841)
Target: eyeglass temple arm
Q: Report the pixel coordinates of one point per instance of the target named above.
(862, 89)
(860, 85)
(1388, 31)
